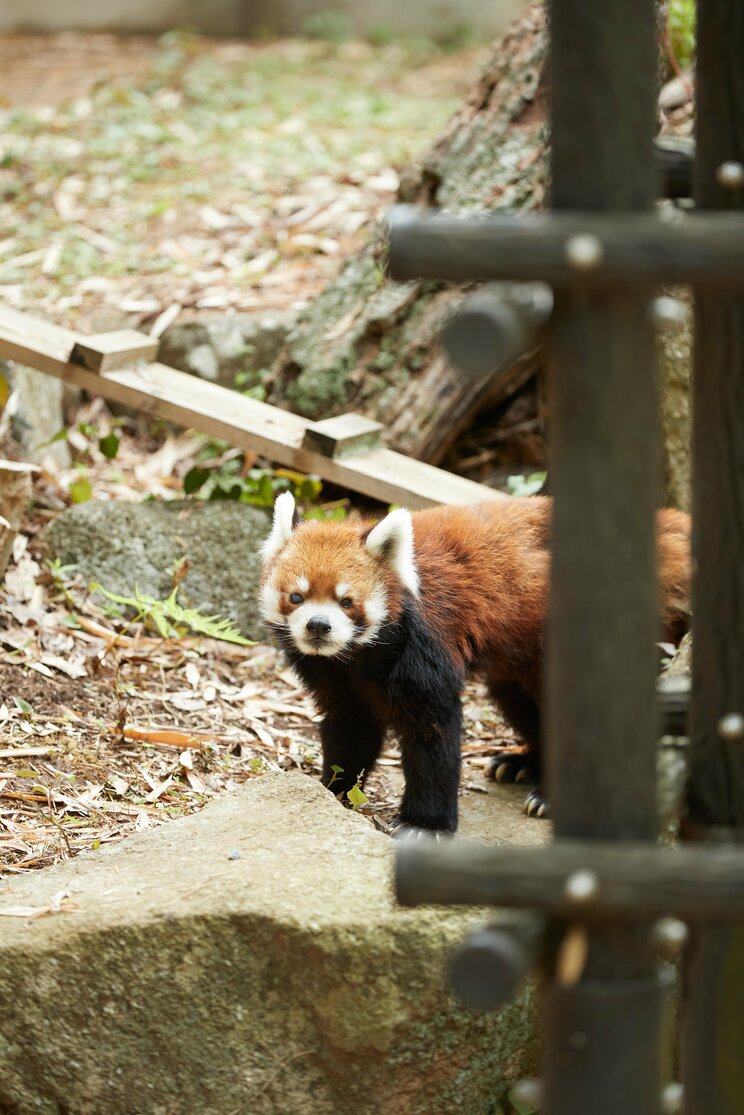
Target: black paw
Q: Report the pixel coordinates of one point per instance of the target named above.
(509, 767)
(535, 805)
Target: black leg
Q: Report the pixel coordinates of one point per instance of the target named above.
(424, 689)
(352, 738)
(431, 765)
(522, 712)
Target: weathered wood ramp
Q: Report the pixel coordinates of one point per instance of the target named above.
(344, 450)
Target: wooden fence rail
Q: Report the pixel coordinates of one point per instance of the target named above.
(343, 450)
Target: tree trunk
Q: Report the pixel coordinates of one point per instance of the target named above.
(16, 478)
(7, 536)
(15, 496)
(373, 346)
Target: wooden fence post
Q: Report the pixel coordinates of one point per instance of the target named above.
(603, 1033)
(603, 250)
(713, 1015)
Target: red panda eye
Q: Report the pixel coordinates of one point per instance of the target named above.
(347, 602)
(296, 598)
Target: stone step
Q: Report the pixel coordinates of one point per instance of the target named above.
(250, 958)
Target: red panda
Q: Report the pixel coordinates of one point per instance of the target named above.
(384, 622)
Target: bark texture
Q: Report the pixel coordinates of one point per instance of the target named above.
(373, 346)
(675, 369)
(370, 345)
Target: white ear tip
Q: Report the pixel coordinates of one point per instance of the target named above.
(392, 539)
(397, 524)
(283, 524)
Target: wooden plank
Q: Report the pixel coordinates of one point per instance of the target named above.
(704, 248)
(346, 433)
(406, 481)
(246, 423)
(37, 344)
(102, 352)
(578, 879)
(32, 341)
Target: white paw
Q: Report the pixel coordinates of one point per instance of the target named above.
(410, 833)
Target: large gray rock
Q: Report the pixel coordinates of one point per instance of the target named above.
(128, 546)
(250, 958)
(232, 351)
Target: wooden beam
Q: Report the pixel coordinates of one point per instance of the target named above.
(493, 328)
(103, 351)
(570, 250)
(246, 423)
(37, 344)
(344, 434)
(577, 879)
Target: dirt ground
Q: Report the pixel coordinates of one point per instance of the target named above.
(150, 729)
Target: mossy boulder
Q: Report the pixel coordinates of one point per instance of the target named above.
(128, 546)
(250, 958)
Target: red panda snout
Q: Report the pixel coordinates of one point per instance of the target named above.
(320, 627)
(319, 623)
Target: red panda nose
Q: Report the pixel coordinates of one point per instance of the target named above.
(318, 626)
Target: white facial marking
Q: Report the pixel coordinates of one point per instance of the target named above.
(303, 585)
(281, 530)
(342, 590)
(375, 609)
(392, 539)
(268, 603)
(334, 641)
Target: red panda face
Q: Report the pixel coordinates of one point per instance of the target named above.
(330, 587)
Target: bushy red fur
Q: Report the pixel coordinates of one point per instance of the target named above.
(485, 576)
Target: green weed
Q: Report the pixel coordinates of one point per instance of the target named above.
(171, 619)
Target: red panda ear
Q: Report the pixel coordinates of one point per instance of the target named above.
(286, 518)
(392, 540)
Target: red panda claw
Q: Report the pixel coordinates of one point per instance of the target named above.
(504, 772)
(402, 831)
(535, 805)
